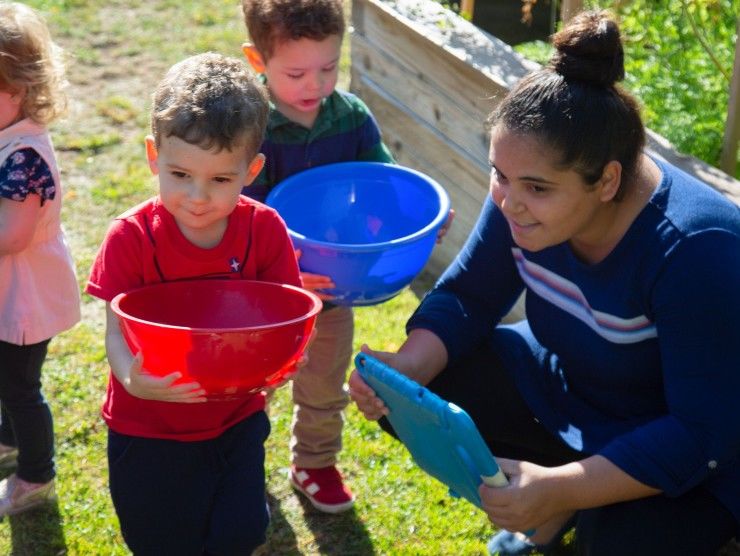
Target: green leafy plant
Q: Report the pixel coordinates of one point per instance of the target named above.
(678, 60)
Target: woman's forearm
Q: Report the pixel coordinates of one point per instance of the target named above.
(596, 481)
(426, 354)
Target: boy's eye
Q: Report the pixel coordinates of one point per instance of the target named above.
(178, 174)
(536, 188)
(330, 68)
(222, 179)
(295, 75)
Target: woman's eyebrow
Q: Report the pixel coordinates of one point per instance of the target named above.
(525, 178)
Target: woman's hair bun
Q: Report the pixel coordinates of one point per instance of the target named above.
(589, 48)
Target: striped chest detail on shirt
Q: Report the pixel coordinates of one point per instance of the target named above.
(567, 296)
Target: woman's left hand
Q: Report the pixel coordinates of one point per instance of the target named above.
(527, 502)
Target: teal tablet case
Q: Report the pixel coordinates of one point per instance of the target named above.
(441, 437)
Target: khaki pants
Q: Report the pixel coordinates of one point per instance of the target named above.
(319, 394)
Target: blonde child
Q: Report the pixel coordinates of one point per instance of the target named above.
(39, 296)
(188, 477)
(296, 47)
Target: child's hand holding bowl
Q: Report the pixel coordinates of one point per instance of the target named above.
(144, 385)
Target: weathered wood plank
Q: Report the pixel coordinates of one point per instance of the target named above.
(444, 50)
(434, 106)
(724, 183)
(464, 178)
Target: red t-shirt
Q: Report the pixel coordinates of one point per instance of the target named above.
(145, 246)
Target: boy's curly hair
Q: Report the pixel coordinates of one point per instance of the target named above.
(31, 63)
(212, 101)
(270, 22)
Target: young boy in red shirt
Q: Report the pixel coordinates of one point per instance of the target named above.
(187, 477)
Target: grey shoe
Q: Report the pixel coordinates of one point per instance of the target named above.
(8, 456)
(14, 500)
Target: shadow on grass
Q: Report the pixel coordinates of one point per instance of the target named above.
(36, 532)
(334, 535)
(337, 535)
(280, 537)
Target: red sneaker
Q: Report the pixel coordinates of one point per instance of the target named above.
(323, 487)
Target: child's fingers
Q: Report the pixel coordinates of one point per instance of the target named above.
(167, 380)
(190, 392)
(316, 282)
(446, 226)
(186, 387)
(311, 280)
(194, 396)
(163, 388)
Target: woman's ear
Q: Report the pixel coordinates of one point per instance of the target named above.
(253, 57)
(151, 154)
(611, 179)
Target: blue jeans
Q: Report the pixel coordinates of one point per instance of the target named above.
(192, 498)
(26, 418)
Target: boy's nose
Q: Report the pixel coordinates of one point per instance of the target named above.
(199, 192)
(316, 82)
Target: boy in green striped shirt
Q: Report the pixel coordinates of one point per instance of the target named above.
(295, 45)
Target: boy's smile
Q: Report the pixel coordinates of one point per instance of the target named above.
(300, 74)
(199, 187)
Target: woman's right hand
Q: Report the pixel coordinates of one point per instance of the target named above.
(420, 358)
(144, 385)
(371, 406)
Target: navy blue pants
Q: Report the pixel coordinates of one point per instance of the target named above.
(694, 524)
(192, 498)
(26, 418)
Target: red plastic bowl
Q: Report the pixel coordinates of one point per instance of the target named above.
(233, 337)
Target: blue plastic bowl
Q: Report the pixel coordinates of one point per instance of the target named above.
(370, 226)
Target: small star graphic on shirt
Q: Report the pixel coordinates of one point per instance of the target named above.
(234, 264)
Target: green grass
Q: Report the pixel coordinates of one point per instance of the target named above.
(119, 49)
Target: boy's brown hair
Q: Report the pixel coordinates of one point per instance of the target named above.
(270, 22)
(212, 101)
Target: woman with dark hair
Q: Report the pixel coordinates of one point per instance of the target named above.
(613, 406)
